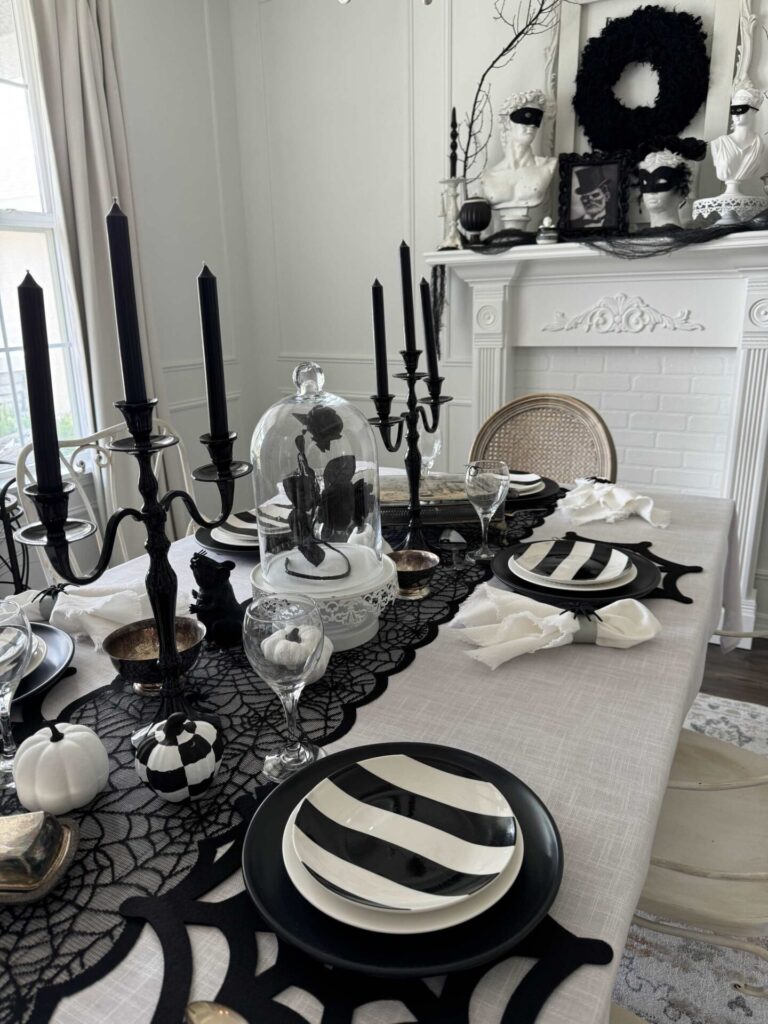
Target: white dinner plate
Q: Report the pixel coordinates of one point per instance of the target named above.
(586, 588)
(391, 922)
(39, 651)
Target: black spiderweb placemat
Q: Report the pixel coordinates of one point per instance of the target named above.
(135, 847)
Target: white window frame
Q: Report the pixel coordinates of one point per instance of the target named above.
(50, 223)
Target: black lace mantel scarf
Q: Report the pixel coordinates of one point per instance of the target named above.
(141, 860)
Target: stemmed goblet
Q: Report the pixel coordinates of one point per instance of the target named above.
(15, 650)
(487, 483)
(283, 639)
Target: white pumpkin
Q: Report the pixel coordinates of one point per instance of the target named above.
(59, 768)
(291, 647)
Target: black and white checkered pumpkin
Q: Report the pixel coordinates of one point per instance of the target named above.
(179, 758)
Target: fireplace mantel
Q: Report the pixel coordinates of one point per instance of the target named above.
(712, 296)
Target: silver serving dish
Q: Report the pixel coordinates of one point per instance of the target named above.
(35, 851)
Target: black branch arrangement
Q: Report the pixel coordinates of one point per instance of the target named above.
(532, 18)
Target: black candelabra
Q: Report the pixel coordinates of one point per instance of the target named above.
(394, 428)
(56, 530)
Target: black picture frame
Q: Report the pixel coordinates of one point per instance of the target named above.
(596, 174)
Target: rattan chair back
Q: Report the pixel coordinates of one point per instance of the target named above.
(555, 435)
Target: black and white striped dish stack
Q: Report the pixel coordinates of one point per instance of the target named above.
(572, 561)
(404, 834)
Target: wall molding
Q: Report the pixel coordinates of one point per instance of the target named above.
(622, 314)
(177, 366)
(194, 403)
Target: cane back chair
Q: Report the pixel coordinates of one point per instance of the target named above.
(555, 435)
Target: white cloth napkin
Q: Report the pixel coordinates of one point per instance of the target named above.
(504, 625)
(589, 502)
(95, 609)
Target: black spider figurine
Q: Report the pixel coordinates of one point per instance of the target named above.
(215, 603)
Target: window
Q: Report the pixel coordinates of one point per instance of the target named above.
(31, 238)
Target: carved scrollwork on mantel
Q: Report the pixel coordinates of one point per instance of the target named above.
(622, 314)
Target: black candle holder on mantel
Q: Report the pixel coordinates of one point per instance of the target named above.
(56, 530)
(415, 413)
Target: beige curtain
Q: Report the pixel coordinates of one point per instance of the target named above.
(82, 95)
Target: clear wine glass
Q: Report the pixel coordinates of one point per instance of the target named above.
(15, 651)
(487, 483)
(431, 446)
(283, 639)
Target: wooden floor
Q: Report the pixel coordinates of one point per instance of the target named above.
(740, 675)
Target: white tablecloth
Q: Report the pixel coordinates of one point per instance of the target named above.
(592, 730)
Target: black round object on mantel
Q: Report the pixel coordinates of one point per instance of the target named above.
(674, 44)
(475, 215)
(462, 947)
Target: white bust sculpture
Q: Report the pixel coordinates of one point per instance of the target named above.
(739, 156)
(663, 177)
(519, 182)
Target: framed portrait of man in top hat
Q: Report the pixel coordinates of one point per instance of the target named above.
(594, 194)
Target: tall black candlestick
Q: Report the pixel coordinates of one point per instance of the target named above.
(429, 331)
(454, 142)
(42, 413)
(214, 361)
(380, 339)
(409, 325)
(126, 314)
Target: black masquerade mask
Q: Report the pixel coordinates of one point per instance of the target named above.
(741, 108)
(527, 115)
(663, 179)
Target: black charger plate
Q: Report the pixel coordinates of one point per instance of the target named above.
(484, 938)
(60, 649)
(647, 580)
(205, 540)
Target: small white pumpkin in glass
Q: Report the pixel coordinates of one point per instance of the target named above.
(60, 767)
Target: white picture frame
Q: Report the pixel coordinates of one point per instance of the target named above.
(722, 38)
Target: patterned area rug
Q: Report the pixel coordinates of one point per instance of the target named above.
(667, 980)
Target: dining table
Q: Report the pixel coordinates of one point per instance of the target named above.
(592, 730)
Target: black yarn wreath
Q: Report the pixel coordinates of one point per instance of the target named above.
(674, 44)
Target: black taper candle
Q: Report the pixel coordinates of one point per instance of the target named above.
(409, 325)
(433, 371)
(214, 361)
(454, 142)
(380, 339)
(126, 314)
(42, 413)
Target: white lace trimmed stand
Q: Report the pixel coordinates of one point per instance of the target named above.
(350, 609)
(712, 296)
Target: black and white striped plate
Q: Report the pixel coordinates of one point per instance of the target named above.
(389, 922)
(398, 833)
(241, 528)
(575, 562)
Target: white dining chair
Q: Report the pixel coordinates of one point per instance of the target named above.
(83, 456)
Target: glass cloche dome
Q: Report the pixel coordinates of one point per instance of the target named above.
(316, 480)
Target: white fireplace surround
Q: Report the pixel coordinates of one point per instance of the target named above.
(684, 306)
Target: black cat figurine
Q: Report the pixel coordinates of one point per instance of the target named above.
(215, 603)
